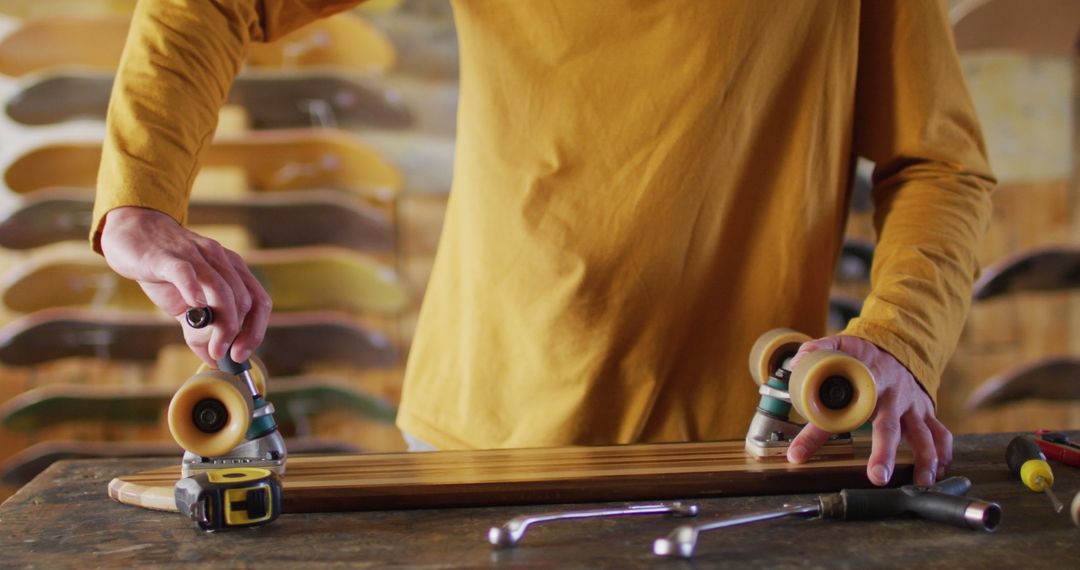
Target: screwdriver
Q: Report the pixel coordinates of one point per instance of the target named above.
(944, 503)
(1027, 463)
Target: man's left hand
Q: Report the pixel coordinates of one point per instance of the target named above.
(903, 410)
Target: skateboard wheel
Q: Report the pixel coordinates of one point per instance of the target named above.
(258, 373)
(833, 390)
(210, 413)
(771, 349)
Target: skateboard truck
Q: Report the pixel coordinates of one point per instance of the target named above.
(831, 389)
(221, 418)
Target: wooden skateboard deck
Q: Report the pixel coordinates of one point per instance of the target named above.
(96, 42)
(1047, 27)
(527, 476)
(20, 468)
(296, 159)
(310, 278)
(1046, 269)
(293, 341)
(1054, 378)
(270, 100)
(274, 220)
(295, 399)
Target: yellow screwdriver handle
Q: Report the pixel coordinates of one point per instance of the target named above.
(1036, 474)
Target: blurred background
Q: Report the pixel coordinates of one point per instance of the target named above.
(330, 172)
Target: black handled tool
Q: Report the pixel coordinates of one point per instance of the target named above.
(1028, 464)
(944, 502)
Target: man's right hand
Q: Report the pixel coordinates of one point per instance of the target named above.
(179, 269)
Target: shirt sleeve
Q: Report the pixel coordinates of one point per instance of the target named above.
(932, 184)
(178, 64)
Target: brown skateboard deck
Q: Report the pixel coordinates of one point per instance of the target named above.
(1054, 378)
(293, 341)
(297, 159)
(310, 278)
(270, 100)
(274, 220)
(1046, 27)
(1045, 269)
(528, 476)
(23, 466)
(96, 42)
(296, 399)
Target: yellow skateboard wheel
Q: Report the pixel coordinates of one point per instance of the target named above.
(833, 390)
(258, 373)
(770, 350)
(210, 413)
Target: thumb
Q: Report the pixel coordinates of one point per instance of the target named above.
(827, 343)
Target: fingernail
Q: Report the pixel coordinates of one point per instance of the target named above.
(797, 453)
(926, 477)
(940, 471)
(879, 474)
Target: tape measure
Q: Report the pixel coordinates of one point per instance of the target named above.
(236, 497)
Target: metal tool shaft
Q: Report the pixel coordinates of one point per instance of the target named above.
(513, 531)
(682, 541)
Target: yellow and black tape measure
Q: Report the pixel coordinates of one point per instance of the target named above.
(237, 497)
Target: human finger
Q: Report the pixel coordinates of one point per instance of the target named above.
(943, 442)
(809, 440)
(921, 442)
(255, 322)
(885, 440)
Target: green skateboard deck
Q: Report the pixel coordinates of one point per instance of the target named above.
(295, 399)
(310, 278)
(293, 342)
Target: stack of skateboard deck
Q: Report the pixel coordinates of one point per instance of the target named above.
(329, 174)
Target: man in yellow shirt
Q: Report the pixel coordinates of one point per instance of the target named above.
(640, 190)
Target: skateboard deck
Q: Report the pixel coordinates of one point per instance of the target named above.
(856, 259)
(1054, 378)
(270, 100)
(295, 399)
(271, 160)
(274, 220)
(310, 278)
(1046, 269)
(96, 42)
(841, 310)
(1047, 27)
(528, 476)
(27, 463)
(293, 341)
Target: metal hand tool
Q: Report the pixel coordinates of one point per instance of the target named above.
(1027, 463)
(942, 503)
(513, 531)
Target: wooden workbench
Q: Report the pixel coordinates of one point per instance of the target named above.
(64, 518)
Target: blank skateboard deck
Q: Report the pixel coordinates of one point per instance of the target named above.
(297, 159)
(295, 400)
(1054, 379)
(274, 220)
(293, 341)
(344, 42)
(528, 476)
(26, 464)
(270, 100)
(310, 278)
(1046, 269)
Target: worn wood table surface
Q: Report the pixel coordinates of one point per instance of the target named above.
(64, 518)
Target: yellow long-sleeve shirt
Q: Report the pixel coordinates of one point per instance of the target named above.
(640, 190)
